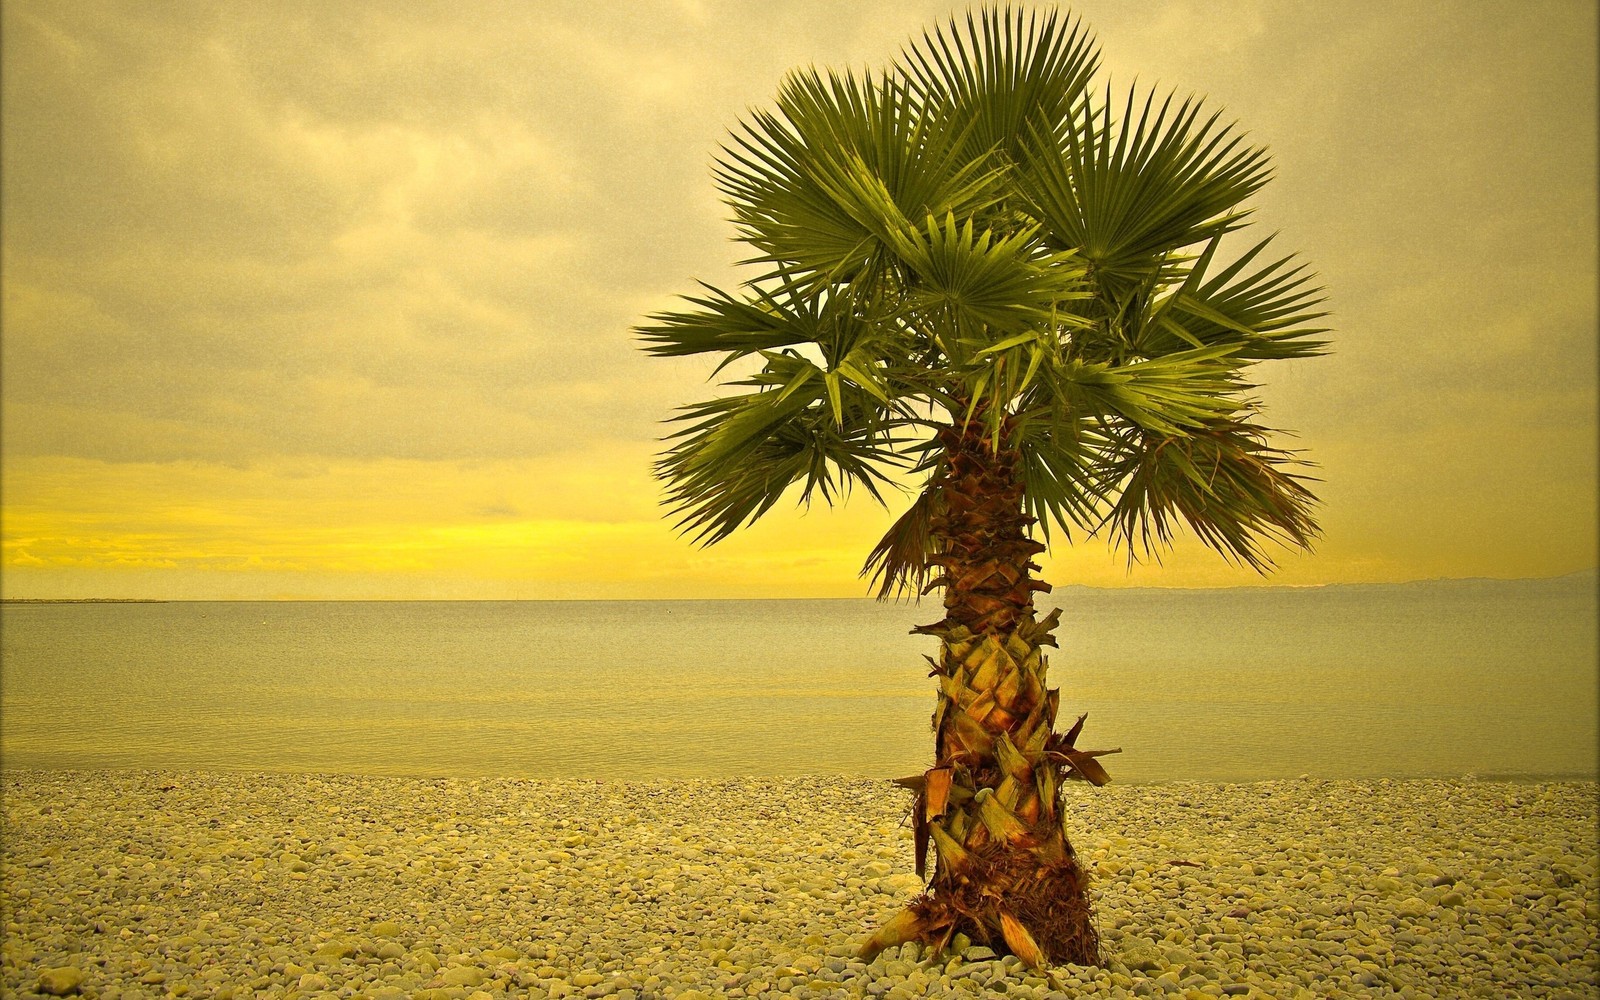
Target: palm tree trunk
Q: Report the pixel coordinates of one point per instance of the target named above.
(1005, 874)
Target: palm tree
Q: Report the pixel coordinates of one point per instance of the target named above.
(974, 278)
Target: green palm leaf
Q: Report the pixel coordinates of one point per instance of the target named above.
(736, 327)
(1060, 461)
(1232, 489)
(1009, 74)
(1164, 395)
(985, 285)
(735, 456)
(1273, 305)
(1126, 198)
(813, 185)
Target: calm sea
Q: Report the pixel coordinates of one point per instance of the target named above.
(1447, 678)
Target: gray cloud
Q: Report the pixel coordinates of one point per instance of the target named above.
(238, 231)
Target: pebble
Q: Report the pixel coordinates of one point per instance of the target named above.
(129, 884)
(60, 981)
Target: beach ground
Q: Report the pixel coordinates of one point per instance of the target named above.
(146, 884)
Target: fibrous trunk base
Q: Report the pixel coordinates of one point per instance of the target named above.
(1048, 901)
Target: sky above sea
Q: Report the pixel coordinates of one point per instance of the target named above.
(333, 301)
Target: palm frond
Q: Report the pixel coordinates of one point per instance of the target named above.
(1006, 73)
(737, 327)
(1267, 312)
(813, 185)
(1059, 458)
(1232, 489)
(735, 456)
(986, 285)
(1164, 395)
(1126, 197)
(899, 563)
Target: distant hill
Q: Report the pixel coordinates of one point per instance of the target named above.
(1589, 578)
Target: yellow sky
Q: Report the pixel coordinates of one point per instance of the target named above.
(310, 300)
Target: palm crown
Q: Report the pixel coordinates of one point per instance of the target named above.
(974, 235)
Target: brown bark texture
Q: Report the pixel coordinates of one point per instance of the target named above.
(1005, 873)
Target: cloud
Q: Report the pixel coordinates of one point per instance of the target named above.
(290, 243)
(228, 238)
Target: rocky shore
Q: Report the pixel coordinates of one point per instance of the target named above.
(141, 884)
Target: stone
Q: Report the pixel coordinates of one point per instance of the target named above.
(1514, 928)
(59, 982)
(333, 951)
(1144, 959)
(901, 885)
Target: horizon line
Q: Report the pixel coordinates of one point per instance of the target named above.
(1592, 570)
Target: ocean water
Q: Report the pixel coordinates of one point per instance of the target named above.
(1427, 679)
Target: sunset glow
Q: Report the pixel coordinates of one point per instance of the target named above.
(331, 302)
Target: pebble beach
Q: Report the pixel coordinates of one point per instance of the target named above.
(150, 884)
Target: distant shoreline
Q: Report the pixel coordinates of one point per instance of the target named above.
(82, 600)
